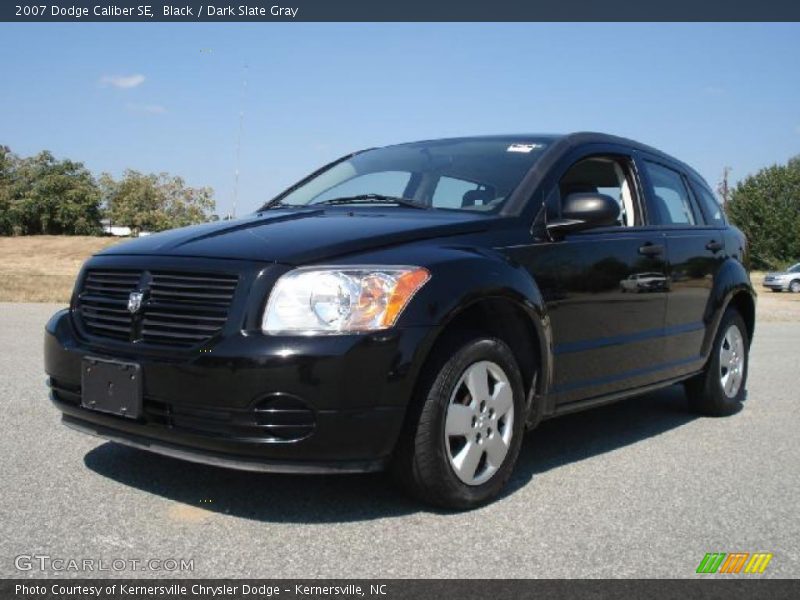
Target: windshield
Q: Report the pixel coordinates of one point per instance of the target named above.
(795, 268)
(475, 174)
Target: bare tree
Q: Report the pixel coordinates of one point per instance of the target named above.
(723, 189)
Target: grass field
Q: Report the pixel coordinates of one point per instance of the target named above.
(42, 268)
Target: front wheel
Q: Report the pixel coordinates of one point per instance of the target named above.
(794, 287)
(463, 447)
(720, 389)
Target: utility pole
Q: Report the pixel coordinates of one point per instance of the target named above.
(239, 141)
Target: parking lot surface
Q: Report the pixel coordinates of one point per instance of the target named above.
(641, 488)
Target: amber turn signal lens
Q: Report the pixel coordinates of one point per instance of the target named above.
(407, 285)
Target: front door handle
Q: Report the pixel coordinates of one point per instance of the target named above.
(714, 246)
(650, 249)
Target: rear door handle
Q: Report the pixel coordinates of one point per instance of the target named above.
(714, 246)
(650, 249)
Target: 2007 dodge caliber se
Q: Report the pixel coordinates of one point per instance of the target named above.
(415, 307)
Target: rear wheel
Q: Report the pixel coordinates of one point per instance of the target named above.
(720, 389)
(466, 439)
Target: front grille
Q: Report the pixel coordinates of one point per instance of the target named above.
(104, 303)
(177, 309)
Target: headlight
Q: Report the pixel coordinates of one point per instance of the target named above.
(327, 300)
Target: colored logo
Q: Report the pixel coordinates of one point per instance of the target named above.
(735, 562)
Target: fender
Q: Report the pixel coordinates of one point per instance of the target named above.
(731, 279)
(463, 277)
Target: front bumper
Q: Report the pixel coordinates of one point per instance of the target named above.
(348, 392)
(776, 285)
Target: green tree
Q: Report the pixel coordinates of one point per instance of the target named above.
(766, 207)
(7, 165)
(149, 202)
(186, 205)
(43, 195)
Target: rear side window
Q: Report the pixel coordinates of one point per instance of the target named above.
(710, 205)
(672, 203)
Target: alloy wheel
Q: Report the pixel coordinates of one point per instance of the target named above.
(479, 422)
(731, 361)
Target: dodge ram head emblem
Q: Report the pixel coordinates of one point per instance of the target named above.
(135, 302)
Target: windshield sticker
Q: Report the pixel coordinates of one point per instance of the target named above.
(523, 147)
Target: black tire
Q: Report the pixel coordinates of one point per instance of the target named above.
(705, 391)
(794, 286)
(422, 462)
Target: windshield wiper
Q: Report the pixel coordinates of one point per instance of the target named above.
(278, 204)
(374, 199)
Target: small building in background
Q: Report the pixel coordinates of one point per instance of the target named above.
(118, 230)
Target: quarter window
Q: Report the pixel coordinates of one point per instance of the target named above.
(671, 198)
(710, 205)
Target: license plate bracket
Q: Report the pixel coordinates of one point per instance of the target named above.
(111, 386)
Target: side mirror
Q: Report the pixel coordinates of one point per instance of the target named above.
(585, 211)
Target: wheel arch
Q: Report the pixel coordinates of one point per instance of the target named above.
(502, 300)
(732, 288)
(511, 320)
(746, 306)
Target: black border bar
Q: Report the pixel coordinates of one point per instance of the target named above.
(399, 10)
(743, 587)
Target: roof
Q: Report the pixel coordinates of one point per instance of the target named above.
(568, 140)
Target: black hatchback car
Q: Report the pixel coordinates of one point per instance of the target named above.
(415, 307)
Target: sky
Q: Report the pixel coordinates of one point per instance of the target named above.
(168, 96)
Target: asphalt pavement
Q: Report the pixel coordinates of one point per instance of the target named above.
(641, 488)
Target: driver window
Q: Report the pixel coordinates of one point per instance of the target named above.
(603, 175)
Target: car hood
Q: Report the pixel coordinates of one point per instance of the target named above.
(300, 235)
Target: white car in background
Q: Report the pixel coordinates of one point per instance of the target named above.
(644, 282)
(786, 280)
